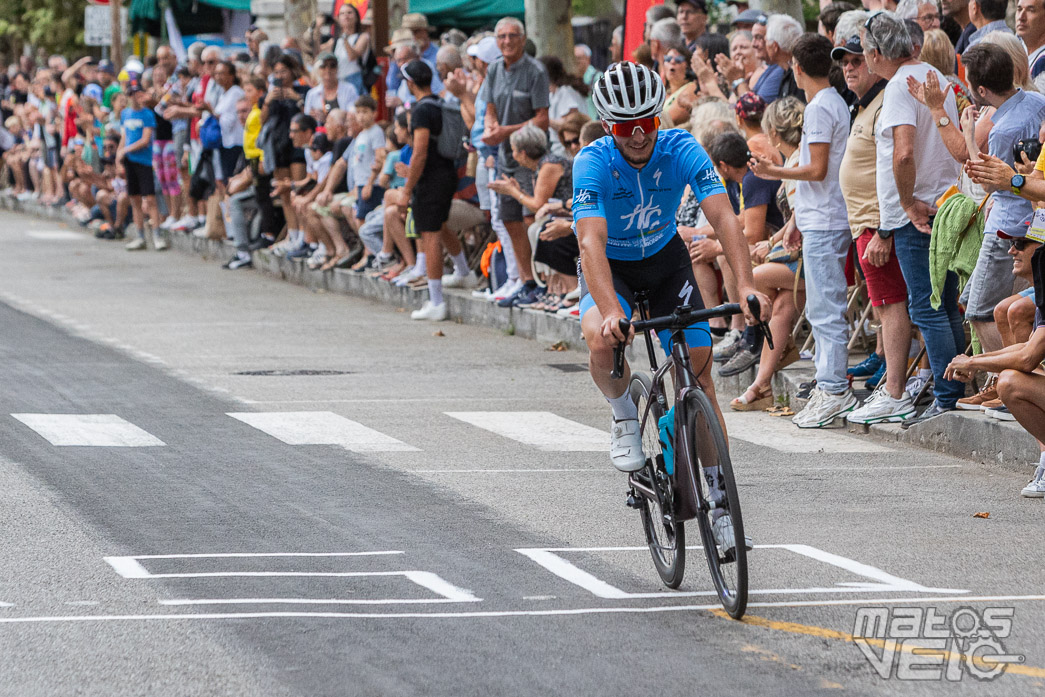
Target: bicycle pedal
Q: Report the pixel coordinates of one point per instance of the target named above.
(633, 501)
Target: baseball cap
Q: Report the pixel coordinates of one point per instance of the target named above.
(698, 5)
(1026, 229)
(417, 70)
(133, 88)
(749, 17)
(851, 46)
(93, 91)
(106, 66)
(485, 50)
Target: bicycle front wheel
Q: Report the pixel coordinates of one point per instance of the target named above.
(707, 443)
(665, 536)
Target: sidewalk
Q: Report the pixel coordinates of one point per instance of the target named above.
(969, 435)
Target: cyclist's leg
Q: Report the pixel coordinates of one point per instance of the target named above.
(600, 353)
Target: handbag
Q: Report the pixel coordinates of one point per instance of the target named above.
(210, 133)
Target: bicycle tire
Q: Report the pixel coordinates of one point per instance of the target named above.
(665, 536)
(729, 573)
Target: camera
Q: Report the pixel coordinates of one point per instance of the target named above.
(1031, 146)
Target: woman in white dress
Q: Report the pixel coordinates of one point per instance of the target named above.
(351, 44)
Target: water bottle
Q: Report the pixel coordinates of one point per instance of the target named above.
(666, 426)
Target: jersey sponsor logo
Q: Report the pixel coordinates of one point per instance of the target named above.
(656, 177)
(686, 293)
(622, 193)
(641, 216)
(585, 198)
(708, 180)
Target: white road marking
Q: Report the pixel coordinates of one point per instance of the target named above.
(540, 429)
(55, 235)
(521, 470)
(780, 434)
(232, 555)
(322, 428)
(549, 558)
(480, 614)
(107, 430)
(310, 601)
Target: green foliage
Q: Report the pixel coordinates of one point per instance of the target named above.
(592, 8)
(49, 26)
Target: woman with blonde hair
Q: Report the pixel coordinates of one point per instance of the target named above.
(778, 274)
(1014, 47)
(938, 51)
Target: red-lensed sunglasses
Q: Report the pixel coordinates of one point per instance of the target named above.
(626, 129)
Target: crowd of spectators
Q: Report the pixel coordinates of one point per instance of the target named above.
(890, 159)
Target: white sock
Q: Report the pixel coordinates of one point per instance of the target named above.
(925, 373)
(435, 291)
(623, 407)
(460, 264)
(243, 256)
(419, 267)
(321, 249)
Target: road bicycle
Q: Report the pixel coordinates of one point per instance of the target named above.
(681, 435)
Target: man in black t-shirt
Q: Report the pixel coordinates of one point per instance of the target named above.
(430, 186)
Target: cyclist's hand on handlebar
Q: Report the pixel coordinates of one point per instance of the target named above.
(611, 332)
(763, 301)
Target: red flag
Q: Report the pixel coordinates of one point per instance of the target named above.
(635, 23)
(360, 5)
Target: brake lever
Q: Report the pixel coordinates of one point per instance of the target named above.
(618, 353)
(763, 327)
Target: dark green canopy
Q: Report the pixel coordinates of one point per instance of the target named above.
(191, 16)
(467, 14)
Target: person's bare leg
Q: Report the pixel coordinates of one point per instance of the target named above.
(729, 282)
(395, 228)
(333, 230)
(138, 215)
(707, 284)
(1001, 318)
(432, 244)
(989, 336)
(776, 281)
(521, 246)
(896, 336)
(1021, 320)
(451, 241)
(1024, 395)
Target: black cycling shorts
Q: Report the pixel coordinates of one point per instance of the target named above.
(668, 278)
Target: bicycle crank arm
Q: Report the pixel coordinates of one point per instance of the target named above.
(642, 488)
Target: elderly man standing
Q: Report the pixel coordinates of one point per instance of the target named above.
(417, 24)
(914, 168)
(692, 16)
(516, 92)
(885, 285)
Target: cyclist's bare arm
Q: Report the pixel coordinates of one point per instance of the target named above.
(719, 213)
(592, 234)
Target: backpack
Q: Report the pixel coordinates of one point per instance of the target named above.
(210, 133)
(369, 69)
(454, 134)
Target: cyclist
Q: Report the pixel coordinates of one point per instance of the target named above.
(627, 189)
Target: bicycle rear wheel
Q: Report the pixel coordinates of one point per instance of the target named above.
(708, 446)
(665, 536)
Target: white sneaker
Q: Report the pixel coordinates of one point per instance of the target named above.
(430, 312)
(822, 408)
(467, 281)
(136, 244)
(411, 274)
(915, 384)
(1035, 489)
(507, 290)
(160, 242)
(200, 232)
(626, 446)
(881, 408)
(484, 294)
(185, 223)
(168, 223)
(316, 260)
(725, 538)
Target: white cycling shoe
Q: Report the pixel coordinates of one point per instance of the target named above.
(722, 531)
(626, 446)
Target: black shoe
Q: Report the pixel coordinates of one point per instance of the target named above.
(238, 263)
(931, 412)
(805, 389)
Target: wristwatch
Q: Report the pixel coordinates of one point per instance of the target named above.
(1016, 183)
(737, 83)
(943, 122)
(885, 234)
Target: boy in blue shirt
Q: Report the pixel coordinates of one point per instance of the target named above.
(137, 126)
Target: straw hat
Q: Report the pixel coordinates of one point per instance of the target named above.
(415, 20)
(399, 37)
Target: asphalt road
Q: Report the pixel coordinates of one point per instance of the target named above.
(383, 527)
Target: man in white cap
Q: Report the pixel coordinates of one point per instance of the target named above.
(417, 23)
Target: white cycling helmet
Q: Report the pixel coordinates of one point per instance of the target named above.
(628, 91)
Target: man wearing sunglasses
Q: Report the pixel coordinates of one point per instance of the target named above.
(1021, 384)
(627, 189)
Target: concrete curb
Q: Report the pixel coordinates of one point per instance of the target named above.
(968, 435)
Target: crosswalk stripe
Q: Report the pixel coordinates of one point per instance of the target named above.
(540, 429)
(780, 434)
(106, 430)
(321, 428)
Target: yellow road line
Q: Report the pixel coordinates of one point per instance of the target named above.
(825, 633)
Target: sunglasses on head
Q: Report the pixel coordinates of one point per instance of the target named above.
(626, 129)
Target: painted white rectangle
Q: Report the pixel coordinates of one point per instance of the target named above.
(780, 434)
(107, 430)
(55, 235)
(321, 428)
(541, 429)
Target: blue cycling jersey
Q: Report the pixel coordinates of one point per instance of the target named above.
(639, 205)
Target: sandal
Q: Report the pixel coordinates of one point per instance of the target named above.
(760, 400)
(331, 263)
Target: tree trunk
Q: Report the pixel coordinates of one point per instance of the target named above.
(549, 26)
(117, 33)
(299, 16)
(790, 7)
